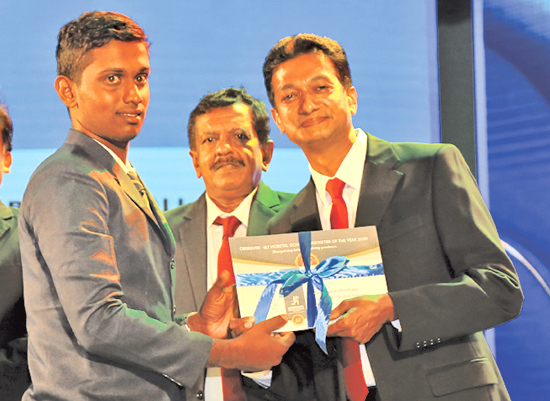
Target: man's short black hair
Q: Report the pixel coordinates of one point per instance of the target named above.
(294, 46)
(89, 31)
(228, 97)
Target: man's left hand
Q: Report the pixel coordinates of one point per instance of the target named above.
(361, 317)
(238, 326)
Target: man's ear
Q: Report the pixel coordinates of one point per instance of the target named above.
(351, 94)
(7, 162)
(195, 156)
(267, 154)
(277, 119)
(66, 89)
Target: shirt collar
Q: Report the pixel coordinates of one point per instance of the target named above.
(350, 171)
(241, 212)
(125, 166)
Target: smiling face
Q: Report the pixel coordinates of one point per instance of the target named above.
(228, 154)
(312, 106)
(111, 100)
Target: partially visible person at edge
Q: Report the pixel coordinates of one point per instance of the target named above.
(446, 270)
(228, 135)
(14, 374)
(98, 255)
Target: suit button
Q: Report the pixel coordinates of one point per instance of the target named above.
(418, 345)
(200, 395)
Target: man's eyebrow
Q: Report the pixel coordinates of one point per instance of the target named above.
(316, 78)
(319, 78)
(240, 128)
(206, 133)
(115, 70)
(121, 70)
(287, 86)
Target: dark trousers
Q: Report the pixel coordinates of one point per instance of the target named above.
(372, 395)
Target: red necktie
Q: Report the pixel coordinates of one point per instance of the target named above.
(231, 378)
(356, 388)
(230, 225)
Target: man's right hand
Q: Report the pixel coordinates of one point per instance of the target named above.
(217, 310)
(255, 349)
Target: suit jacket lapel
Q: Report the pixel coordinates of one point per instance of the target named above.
(101, 156)
(5, 214)
(170, 241)
(194, 221)
(195, 251)
(128, 186)
(261, 210)
(306, 212)
(380, 181)
(152, 210)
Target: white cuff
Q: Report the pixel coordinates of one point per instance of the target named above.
(263, 378)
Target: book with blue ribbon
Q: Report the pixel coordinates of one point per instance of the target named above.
(305, 275)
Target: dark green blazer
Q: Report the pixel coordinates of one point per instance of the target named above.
(188, 223)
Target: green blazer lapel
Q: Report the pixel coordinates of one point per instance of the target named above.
(379, 183)
(6, 214)
(306, 212)
(194, 222)
(261, 210)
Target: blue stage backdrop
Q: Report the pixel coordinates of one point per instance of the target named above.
(202, 46)
(517, 41)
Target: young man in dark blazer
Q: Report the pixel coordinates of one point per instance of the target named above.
(447, 273)
(230, 147)
(98, 255)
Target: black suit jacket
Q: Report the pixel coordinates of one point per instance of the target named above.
(447, 273)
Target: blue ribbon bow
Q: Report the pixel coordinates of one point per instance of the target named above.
(291, 280)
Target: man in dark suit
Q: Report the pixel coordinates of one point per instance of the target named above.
(447, 273)
(97, 253)
(14, 374)
(229, 144)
